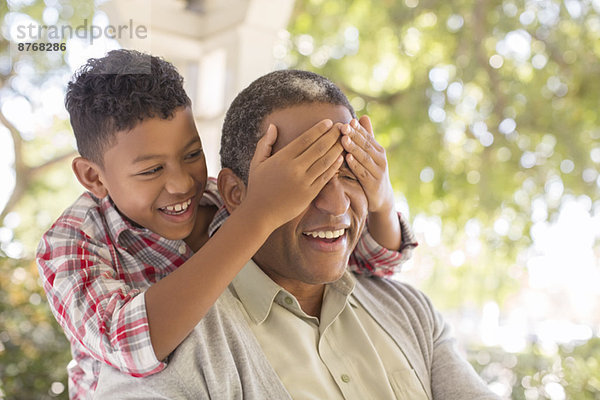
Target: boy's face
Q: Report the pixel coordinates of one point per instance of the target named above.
(292, 255)
(156, 174)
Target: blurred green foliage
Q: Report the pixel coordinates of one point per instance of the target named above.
(33, 349)
(34, 352)
(484, 108)
(569, 372)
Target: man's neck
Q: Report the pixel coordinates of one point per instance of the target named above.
(310, 300)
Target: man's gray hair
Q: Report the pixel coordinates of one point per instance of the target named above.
(274, 91)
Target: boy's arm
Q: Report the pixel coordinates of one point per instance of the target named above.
(132, 330)
(121, 324)
(388, 240)
(102, 316)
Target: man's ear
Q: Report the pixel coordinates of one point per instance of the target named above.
(88, 174)
(232, 189)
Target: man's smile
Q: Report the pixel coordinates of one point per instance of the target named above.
(326, 239)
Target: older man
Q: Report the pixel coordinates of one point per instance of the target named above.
(294, 323)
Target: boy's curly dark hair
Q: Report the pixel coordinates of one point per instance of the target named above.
(117, 92)
(274, 91)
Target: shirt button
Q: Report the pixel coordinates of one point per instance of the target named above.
(182, 249)
(288, 300)
(345, 378)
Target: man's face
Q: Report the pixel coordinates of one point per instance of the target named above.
(156, 174)
(292, 255)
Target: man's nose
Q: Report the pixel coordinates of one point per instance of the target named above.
(179, 181)
(332, 199)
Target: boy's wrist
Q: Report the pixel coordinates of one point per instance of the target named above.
(388, 214)
(258, 223)
(386, 209)
(384, 227)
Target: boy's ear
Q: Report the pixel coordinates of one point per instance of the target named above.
(232, 189)
(88, 174)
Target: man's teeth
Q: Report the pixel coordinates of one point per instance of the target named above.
(179, 207)
(326, 234)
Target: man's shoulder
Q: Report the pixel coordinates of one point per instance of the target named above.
(390, 294)
(389, 286)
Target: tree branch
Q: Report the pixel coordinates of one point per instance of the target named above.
(23, 173)
(17, 141)
(39, 168)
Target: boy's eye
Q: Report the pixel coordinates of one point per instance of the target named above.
(151, 171)
(194, 154)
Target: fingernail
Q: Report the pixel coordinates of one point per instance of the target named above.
(354, 123)
(328, 123)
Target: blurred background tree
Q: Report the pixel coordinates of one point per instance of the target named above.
(489, 114)
(488, 111)
(37, 144)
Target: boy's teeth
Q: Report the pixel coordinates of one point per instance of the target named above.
(326, 234)
(179, 207)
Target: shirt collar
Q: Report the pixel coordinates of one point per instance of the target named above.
(257, 291)
(345, 285)
(121, 229)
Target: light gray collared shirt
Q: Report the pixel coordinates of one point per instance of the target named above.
(344, 354)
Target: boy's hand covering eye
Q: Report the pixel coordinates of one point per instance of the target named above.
(283, 184)
(366, 158)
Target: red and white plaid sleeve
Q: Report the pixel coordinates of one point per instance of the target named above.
(370, 258)
(101, 314)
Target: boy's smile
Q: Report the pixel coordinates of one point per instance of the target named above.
(155, 174)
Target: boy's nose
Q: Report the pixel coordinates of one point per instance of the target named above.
(332, 199)
(179, 181)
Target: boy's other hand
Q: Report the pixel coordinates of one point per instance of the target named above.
(366, 158)
(283, 184)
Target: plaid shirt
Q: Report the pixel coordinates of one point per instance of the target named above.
(95, 266)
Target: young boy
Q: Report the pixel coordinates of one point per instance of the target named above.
(129, 268)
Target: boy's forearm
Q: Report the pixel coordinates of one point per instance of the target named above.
(384, 227)
(178, 302)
